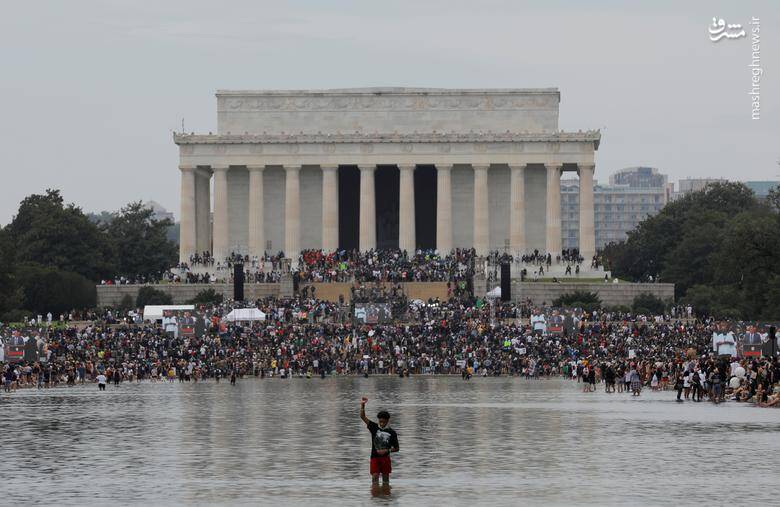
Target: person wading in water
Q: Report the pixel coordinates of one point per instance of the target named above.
(384, 440)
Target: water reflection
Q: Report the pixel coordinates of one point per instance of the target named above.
(501, 441)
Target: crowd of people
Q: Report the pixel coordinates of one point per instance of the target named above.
(305, 337)
(386, 265)
(383, 265)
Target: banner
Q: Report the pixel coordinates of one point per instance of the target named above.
(186, 323)
(16, 348)
(752, 342)
(373, 313)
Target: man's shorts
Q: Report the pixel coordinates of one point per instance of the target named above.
(381, 465)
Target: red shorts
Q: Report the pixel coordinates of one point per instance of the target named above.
(381, 465)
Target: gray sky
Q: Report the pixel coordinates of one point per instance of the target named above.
(90, 90)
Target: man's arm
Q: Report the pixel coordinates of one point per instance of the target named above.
(394, 443)
(363, 410)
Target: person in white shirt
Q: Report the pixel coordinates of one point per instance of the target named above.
(724, 344)
(538, 322)
(101, 380)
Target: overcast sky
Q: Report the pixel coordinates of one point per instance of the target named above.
(90, 90)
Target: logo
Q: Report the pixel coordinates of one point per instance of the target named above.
(720, 29)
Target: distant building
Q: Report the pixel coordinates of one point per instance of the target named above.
(689, 185)
(639, 177)
(633, 194)
(158, 211)
(761, 188)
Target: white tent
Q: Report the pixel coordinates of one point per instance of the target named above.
(245, 314)
(155, 312)
(495, 293)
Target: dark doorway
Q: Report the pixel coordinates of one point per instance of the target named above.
(425, 206)
(349, 207)
(387, 184)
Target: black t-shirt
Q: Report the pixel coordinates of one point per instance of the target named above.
(381, 438)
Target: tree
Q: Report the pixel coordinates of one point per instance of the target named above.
(140, 241)
(772, 308)
(10, 292)
(47, 232)
(649, 250)
(690, 259)
(208, 296)
(747, 260)
(718, 246)
(588, 301)
(126, 303)
(774, 198)
(148, 295)
(47, 289)
(648, 304)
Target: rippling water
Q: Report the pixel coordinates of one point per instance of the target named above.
(502, 441)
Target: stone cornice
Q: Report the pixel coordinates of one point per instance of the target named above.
(593, 136)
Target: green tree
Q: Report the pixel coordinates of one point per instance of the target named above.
(10, 292)
(45, 231)
(747, 261)
(148, 295)
(140, 242)
(588, 301)
(718, 246)
(772, 309)
(648, 304)
(774, 198)
(47, 289)
(207, 296)
(690, 260)
(654, 247)
(126, 303)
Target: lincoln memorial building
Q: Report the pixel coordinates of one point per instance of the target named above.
(383, 168)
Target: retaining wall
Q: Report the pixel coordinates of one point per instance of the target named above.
(611, 294)
(111, 295)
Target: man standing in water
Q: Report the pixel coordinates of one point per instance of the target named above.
(384, 440)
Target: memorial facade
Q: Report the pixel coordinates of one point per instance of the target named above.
(383, 168)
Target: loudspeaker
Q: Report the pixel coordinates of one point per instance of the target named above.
(506, 283)
(238, 282)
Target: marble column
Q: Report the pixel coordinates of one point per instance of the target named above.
(203, 210)
(220, 228)
(292, 212)
(481, 210)
(367, 239)
(330, 208)
(553, 228)
(256, 216)
(517, 209)
(187, 231)
(587, 222)
(444, 209)
(406, 217)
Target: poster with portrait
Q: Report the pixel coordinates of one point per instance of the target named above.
(169, 323)
(185, 322)
(13, 348)
(752, 342)
(555, 323)
(373, 313)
